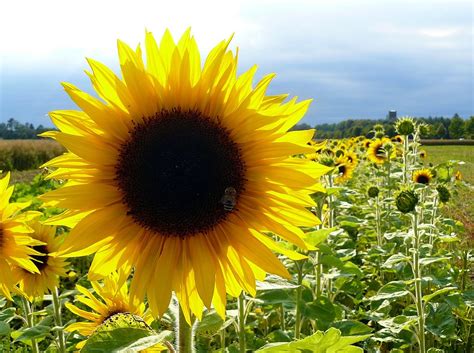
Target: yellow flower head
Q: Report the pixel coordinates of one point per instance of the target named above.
(344, 170)
(422, 176)
(423, 154)
(377, 152)
(15, 240)
(50, 268)
(458, 175)
(352, 158)
(398, 139)
(179, 171)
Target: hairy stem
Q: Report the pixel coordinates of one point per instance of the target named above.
(185, 334)
(58, 321)
(29, 319)
(242, 343)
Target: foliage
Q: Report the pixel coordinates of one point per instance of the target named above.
(439, 128)
(27, 154)
(374, 279)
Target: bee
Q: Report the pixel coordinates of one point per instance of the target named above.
(229, 199)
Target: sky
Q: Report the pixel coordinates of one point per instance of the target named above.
(355, 59)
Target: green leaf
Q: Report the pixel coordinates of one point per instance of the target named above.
(440, 321)
(431, 260)
(391, 290)
(395, 259)
(352, 327)
(274, 282)
(7, 314)
(428, 297)
(4, 329)
(115, 340)
(210, 323)
(34, 332)
(330, 341)
(318, 236)
(145, 342)
(123, 333)
(321, 310)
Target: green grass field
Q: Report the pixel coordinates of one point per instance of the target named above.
(440, 154)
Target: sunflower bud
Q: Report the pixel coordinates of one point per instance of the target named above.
(405, 126)
(339, 153)
(406, 201)
(443, 193)
(379, 134)
(378, 128)
(373, 191)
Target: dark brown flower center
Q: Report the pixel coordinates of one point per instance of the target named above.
(180, 173)
(41, 261)
(342, 169)
(423, 179)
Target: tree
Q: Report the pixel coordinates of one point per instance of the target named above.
(456, 127)
(469, 128)
(440, 131)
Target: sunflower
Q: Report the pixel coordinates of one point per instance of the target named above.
(367, 143)
(111, 298)
(15, 241)
(422, 176)
(50, 268)
(398, 139)
(352, 158)
(458, 175)
(180, 172)
(423, 154)
(344, 170)
(377, 152)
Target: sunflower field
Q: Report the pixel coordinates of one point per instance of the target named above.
(186, 216)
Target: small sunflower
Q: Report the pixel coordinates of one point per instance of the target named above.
(110, 298)
(398, 139)
(377, 153)
(458, 175)
(50, 268)
(352, 158)
(344, 170)
(422, 176)
(423, 154)
(367, 143)
(180, 172)
(16, 244)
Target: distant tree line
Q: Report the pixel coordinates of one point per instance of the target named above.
(438, 128)
(14, 130)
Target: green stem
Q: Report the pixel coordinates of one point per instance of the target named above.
(433, 220)
(331, 203)
(282, 317)
(378, 224)
(299, 267)
(242, 343)
(58, 321)
(319, 270)
(185, 334)
(405, 158)
(418, 290)
(30, 322)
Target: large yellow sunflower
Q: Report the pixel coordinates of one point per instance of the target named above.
(50, 268)
(111, 298)
(180, 171)
(15, 240)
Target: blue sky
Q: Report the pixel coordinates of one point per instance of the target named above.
(356, 59)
